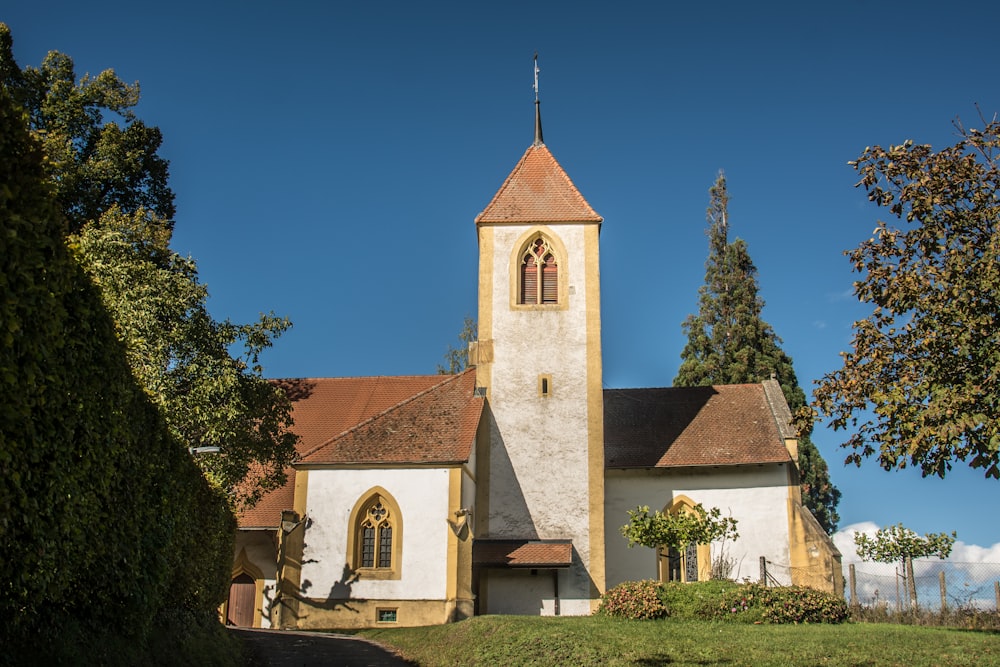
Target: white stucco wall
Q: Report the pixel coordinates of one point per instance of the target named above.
(539, 473)
(756, 496)
(422, 496)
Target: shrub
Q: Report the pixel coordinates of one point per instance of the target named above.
(753, 603)
(694, 600)
(636, 600)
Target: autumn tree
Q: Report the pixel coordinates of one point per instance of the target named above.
(898, 544)
(456, 360)
(921, 384)
(110, 182)
(730, 343)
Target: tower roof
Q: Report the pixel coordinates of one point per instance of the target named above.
(538, 190)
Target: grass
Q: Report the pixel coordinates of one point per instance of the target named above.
(604, 641)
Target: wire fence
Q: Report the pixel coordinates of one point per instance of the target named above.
(940, 585)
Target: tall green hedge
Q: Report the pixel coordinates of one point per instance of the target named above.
(106, 524)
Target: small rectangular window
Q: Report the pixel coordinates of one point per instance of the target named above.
(544, 385)
(386, 615)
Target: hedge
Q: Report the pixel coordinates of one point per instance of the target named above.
(106, 523)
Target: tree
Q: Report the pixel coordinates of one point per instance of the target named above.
(730, 343)
(184, 358)
(111, 186)
(897, 544)
(92, 163)
(456, 360)
(676, 531)
(921, 385)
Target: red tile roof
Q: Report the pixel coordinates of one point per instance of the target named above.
(538, 190)
(429, 419)
(437, 425)
(522, 553)
(692, 426)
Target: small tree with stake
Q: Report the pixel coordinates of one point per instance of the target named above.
(677, 530)
(898, 544)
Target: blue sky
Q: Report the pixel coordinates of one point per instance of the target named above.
(329, 160)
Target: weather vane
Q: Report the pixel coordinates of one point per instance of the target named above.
(536, 76)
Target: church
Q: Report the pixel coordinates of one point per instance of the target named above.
(420, 500)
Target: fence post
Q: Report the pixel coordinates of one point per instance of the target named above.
(763, 571)
(944, 593)
(854, 586)
(996, 593)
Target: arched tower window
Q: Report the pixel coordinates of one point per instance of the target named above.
(375, 540)
(539, 279)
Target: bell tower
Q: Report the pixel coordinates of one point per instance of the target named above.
(538, 360)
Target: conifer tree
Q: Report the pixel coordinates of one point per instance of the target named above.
(729, 343)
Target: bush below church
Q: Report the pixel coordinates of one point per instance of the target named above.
(722, 600)
(753, 603)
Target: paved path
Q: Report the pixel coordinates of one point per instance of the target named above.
(286, 648)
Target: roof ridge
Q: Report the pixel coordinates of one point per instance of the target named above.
(373, 418)
(356, 377)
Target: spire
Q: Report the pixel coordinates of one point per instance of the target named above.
(538, 109)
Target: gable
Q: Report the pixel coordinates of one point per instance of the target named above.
(691, 426)
(425, 419)
(538, 190)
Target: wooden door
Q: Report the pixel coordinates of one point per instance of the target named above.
(242, 599)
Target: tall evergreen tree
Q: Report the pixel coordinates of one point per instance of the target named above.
(729, 343)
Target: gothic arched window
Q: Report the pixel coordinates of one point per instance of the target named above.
(375, 536)
(539, 276)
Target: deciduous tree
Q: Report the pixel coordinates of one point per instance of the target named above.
(456, 360)
(921, 384)
(679, 529)
(898, 544)
(730, 343)
(103, 165)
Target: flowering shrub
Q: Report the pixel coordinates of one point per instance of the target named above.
(753, 603)
(637, 600)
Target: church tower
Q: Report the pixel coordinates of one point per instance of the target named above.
(538, 360)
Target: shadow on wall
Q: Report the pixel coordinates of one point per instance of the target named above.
(338, 595)
(508, 515)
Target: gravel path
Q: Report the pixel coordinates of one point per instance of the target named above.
(286, 648)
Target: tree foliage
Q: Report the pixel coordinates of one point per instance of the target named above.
(730, 343)
(111, 185)
(894, 543)
(184, 358)
(921, 384)
(94, 162)
(678, 529)
(456, 360)
(107, 527)
(898, 544)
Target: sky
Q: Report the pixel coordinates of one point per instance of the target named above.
(329, 160)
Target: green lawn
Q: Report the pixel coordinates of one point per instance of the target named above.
(599, 640)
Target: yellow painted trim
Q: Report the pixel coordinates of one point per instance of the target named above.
(291, 546)
(458, 525)
(354, 547)
(484, 367)
(514, 269)
(544, 385)
(595, 412)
